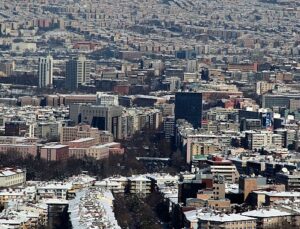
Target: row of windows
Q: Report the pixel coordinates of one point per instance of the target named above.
(14, 182)
(13, 177)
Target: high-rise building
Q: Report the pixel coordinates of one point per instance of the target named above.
(77, 72)
(169, 124)
(188, 106)
(45, 71)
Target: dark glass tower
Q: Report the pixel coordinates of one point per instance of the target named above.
(188, 106)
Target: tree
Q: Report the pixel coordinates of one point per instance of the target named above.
(134, 211)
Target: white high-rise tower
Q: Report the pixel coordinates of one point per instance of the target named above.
(45, 71)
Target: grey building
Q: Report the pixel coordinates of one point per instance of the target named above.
(169, 125)
(270, 100)
(77, 72)
(250, 124)
(102, 117)
(290, 180)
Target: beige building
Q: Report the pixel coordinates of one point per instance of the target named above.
(98, 152)
(81, 131)
(200, 148)
(262, 87)
(225, 169)
(7, 68)
(257, 140)
(12, 177)
(6, 196)
(294, 104)
(224, 221)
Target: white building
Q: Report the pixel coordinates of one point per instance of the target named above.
(12, 177)
(162, 178)
(116, 184)
(53, 190)
(139, 185)
(23, 46)
(45, 71)
(106, 99)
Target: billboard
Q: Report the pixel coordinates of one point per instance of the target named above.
(267, 120)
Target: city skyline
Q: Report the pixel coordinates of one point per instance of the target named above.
(149, 114)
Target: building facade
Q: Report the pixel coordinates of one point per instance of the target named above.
(188, 106)
(107, 118)
(77, 72)
(55, 152)
(45, 71)
(12, 177)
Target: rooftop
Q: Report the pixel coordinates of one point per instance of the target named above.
(265, 213)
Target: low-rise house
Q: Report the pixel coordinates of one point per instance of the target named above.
(225, 221)
(270, 218)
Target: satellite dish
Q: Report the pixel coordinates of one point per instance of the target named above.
(284, 170)
(221, 179)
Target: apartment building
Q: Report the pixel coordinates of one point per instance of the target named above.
(258, 140)
(77, 72)
(53, 190)
(225, 168)
(116, 184)
(263, 87)
(12, 177)
(290, 180)
(139, 185)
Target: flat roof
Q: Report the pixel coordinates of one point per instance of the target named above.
(83, 140)
(224, 217)
(265, 213)
(54, 146)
